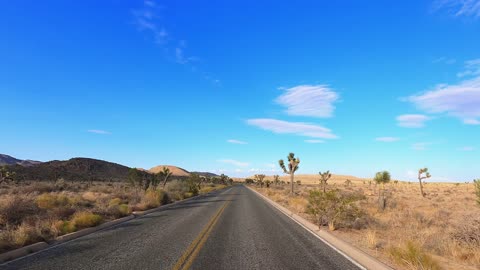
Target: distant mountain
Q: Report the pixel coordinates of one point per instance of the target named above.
(75, 169)
(9, 160)
(206, 174)
(176, 171)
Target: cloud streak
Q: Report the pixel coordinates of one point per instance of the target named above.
(236, 141)
(234, 162)
(296, 128)
(387, 139)
(412, 120)
(314, 141)
(99, 131)
(459, 8)
(309, 100)
(147, 19)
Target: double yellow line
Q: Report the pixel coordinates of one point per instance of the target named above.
(194, 248)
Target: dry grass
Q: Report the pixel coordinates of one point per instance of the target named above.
(444, 226)
(40, 211)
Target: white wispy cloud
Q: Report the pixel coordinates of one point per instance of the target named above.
(420, 146)
(445, 60)
(472, 68)
(148, 19)
(412, 120)
(236, 141)
(387, 139)
(234, 162)
(99, 131)
(460, 100)
(466, 148)
(314, 141)
(467, 8)
(297, 128)
(309, 100)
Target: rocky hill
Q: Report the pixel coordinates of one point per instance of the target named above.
(75, 169)
(9, 160)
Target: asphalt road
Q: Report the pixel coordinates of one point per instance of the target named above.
(230, 229)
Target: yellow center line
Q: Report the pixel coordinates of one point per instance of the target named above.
(194, 248)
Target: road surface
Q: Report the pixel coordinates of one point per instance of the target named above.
(229, 229)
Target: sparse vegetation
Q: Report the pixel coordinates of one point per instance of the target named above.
(412, 256)
(32, 211)
(444, 230)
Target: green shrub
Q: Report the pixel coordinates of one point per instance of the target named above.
(51, 201)
(85, 219)
(64, 227)
(115, 202)
(413, 256)
(333, 208)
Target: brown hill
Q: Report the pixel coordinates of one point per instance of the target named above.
(75, 169)
(176, 171)
(9, 160)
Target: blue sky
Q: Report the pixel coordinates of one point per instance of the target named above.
(353, 87)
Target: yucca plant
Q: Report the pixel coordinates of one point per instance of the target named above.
(382, 178)
(422, 175)
(292, 168)
(324, 178)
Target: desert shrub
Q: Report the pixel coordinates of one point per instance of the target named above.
(154, 198)
(120, 210)
(476, 184)
(249, 181)
(188, 195)
(63, 227)
(467, 231)
(90, 196)
(412, 256)
(85, 220)
(176, 189)
(115, 202)
(14, 209)
(50, 201)
(39, 187)
(63, 212)
(61, 184)
(24, 234)
(333, 208)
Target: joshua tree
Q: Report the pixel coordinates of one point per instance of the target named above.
(292, 168)
(324, 178)
(276, 179)
(224, 179)
(382, 178)
(5, 175)
(421, 177)
(165, 174)
(135, 179)
(476, 184)
(259, 178)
